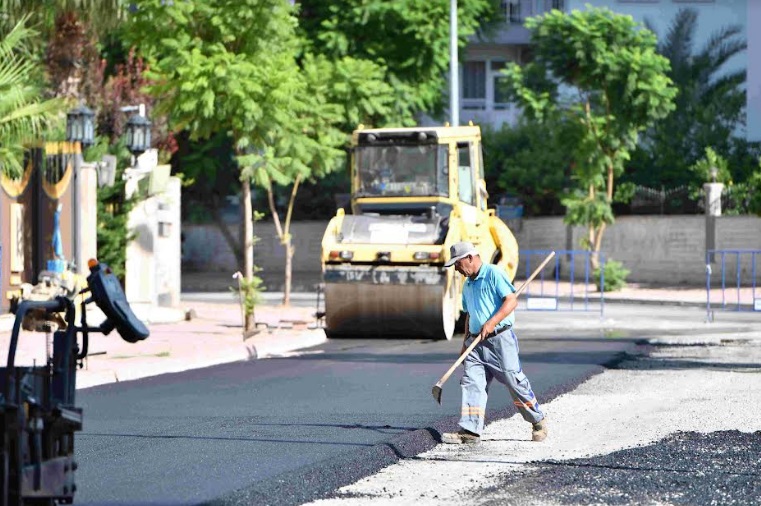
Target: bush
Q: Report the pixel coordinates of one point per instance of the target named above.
(615, 276)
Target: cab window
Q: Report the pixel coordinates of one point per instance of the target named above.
(465, 176)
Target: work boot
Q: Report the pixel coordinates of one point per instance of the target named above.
(539, 432)
(462, 436)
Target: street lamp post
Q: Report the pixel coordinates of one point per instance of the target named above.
(138, 130)
(712, 191)
(138, 134)
(80, 126)
(454, 76)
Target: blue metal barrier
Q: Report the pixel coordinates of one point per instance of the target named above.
(738, 275)
(572, 290)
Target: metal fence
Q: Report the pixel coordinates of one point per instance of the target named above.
(661, 201)
(567, 284)
(732, 278)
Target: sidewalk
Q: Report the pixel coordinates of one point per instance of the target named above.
(213, 335)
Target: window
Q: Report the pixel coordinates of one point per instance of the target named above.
(474, 84)
(466, 184)
(412, 170)
(500, 88)
(517, 11)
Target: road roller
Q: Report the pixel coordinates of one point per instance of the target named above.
(414, 193)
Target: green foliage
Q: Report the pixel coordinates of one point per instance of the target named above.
(624, 192)
(703, 169)
(530, 160)
(407, 39)
(619, 89)
(743, 197)
(754, 191)
(709, 109)
(249, 291)
(614, 276)
(24, 114)
(227, 67)
(113, 209)
(103, 14)
(590, 209)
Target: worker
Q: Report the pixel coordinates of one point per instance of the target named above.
(489, 301)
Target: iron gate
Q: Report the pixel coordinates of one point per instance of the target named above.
(570, 285)
(732, 276)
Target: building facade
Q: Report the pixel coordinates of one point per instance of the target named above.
(483, 102)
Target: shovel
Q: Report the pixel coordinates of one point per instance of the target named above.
(437, 387)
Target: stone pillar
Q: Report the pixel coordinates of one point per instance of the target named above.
(713, 210)
(86, 226)
(153, 256)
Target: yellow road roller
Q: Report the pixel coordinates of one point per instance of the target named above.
(414, 193)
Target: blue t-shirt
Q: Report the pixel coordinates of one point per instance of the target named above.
(483, 296)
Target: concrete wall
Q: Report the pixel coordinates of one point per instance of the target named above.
(658, 250)
(204, 249)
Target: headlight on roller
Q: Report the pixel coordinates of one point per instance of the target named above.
(425, 255)
(342, 255)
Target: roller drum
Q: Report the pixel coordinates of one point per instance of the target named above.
(387, 308)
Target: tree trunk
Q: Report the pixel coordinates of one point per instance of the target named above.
(248, 245)
(233, 243)
(288, 243)
(288, 272)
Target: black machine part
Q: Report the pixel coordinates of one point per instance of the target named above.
(38, 414)
(109, 297)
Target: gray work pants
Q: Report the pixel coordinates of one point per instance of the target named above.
(497, 357)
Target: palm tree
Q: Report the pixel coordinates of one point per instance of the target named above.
(710, 106)
(24, 115)
(101, 14)
(70, 30)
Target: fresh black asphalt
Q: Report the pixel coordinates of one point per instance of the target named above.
(285, 431)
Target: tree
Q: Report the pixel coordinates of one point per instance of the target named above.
(24, 115)
(230, 66)
(409, 39)
(113, 208)
(530, 161)
(710, 106)
(335, 93)
(104, 13)
(69, 36)
(618, 88)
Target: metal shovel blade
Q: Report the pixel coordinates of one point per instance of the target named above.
(437, 392)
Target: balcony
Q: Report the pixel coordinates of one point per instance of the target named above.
(515, 14)
(516, 11)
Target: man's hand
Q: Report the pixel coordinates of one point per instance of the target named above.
(487, 329)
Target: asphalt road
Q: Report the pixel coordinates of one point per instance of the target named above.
(289, 430)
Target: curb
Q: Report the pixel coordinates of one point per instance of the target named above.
(100, 372)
